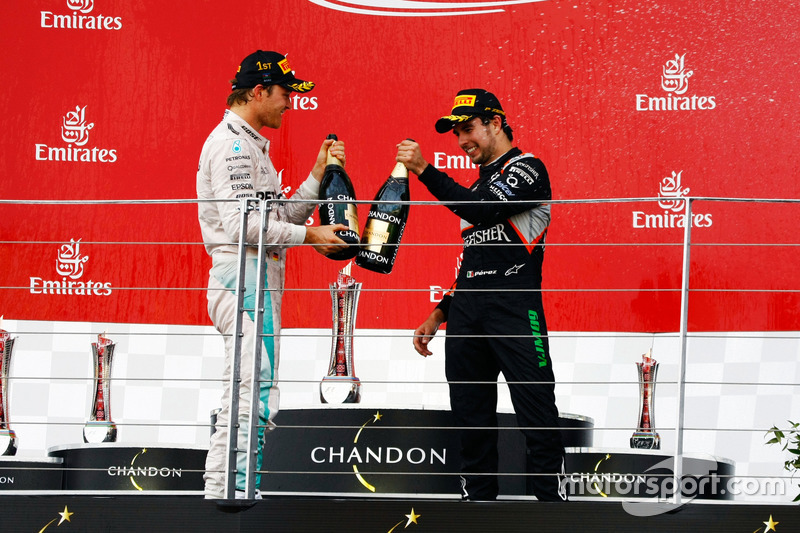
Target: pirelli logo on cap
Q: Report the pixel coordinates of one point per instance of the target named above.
(284, 64)
(464, 100)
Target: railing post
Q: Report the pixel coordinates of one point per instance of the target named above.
(678, 459)
(245, 206)
(264, 207)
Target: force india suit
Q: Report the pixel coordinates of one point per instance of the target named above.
(496, 321)
(235, 163)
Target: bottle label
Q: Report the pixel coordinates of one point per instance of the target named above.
(376, 234)
(385, 216)
(374, 257)
(351, 215)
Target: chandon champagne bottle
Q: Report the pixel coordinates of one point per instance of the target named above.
(336, 185)
(385, 224)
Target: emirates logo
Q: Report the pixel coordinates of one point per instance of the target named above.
(675, 83)
(74, 128)
(83, 6)
(70, 266)
(79, 17)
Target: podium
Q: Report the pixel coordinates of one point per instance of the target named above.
(356, 451)
(23, 473)
(374, 451)
(118, 466)
(646, 474)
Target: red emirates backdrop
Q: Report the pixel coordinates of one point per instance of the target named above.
(112, 100)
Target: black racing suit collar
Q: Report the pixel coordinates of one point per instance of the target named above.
(486, 171)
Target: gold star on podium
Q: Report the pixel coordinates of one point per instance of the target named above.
(65, 515)
(377, 416)
(412, 517)
(770, 525)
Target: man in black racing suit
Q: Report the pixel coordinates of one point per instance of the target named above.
(495, 317)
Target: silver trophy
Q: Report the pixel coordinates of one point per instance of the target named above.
(645, 437)
(341, 384)
(100, 428)
(8, 439)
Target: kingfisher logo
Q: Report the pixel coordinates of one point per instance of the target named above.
(675, 82)
(673, 204)
(79, 17)
(75, 133)
(414, 8)
(70, 266)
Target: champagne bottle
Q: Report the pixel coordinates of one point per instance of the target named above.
(336, 185)
(385, 224)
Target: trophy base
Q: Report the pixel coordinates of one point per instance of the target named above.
(97, 432)
(645, 441)
(340, 389)
(8, 442)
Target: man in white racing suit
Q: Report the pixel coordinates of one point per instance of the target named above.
(235, 163)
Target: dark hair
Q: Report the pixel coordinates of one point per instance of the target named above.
(506, 128)
(242, 96)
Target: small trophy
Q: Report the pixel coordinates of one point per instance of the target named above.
(645, 436)
(100, 428)
(341, 384)
(8, 439)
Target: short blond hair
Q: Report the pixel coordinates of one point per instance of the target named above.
(242, 96)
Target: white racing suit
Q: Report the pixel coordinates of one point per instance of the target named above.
(235, 163)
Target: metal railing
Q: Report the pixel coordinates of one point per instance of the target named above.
(262, 209)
